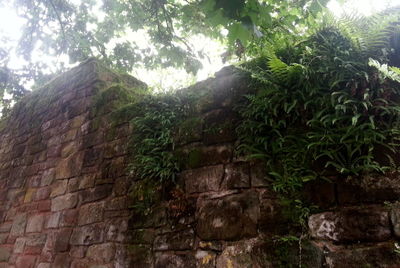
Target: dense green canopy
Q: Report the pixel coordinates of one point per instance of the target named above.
(106, 29)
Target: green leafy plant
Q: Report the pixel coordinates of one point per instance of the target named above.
(327, 104)
(154, 164)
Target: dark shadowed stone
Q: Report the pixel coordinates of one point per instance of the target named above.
(259, 175)
(142, 236)
(378, 256)
(96, 193)
(139, 256)
(87, 235)
(156, 218)
(177, 260)
(351, 224)
(62, 237)
(237, 175)
(272, 219)
(219, 126)
(195, 157)
(369, 189)
(181, 240)
(188, 131)
(395, 219)
(92, 156)
(203, 179)
(229, 218)
(320, 193)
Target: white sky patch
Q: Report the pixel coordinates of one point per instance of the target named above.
(365, 7)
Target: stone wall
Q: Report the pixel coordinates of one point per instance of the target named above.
(64, 190)
(63, 187)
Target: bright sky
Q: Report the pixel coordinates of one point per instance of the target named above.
(10, 25)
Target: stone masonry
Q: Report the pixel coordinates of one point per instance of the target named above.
(64, 190)
(63, 187)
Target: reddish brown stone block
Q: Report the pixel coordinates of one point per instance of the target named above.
(64, 202)
(62, 237)
(26, 261)
(42, 193)
(91, 213)
(44, 205)
(69, 218)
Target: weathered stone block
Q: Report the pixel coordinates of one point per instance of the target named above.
(103, 253)
(368, 189)
(42, 193)
(64, 202)
(53, 220)
(351, 224)
(18, 227)
(69, 167)
(381, 255)
(69, 217)
(86, 181)
(96, 193)
(48, 176)
(5, 253)
(91, 213)
(229, 218)
(25, 262)
(61, 242)
(203, 179)
(62, 260)
(35, 223)
(87, 235)
(5, 227)
(59, 188)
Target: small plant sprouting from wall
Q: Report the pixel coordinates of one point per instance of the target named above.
(154, 163)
